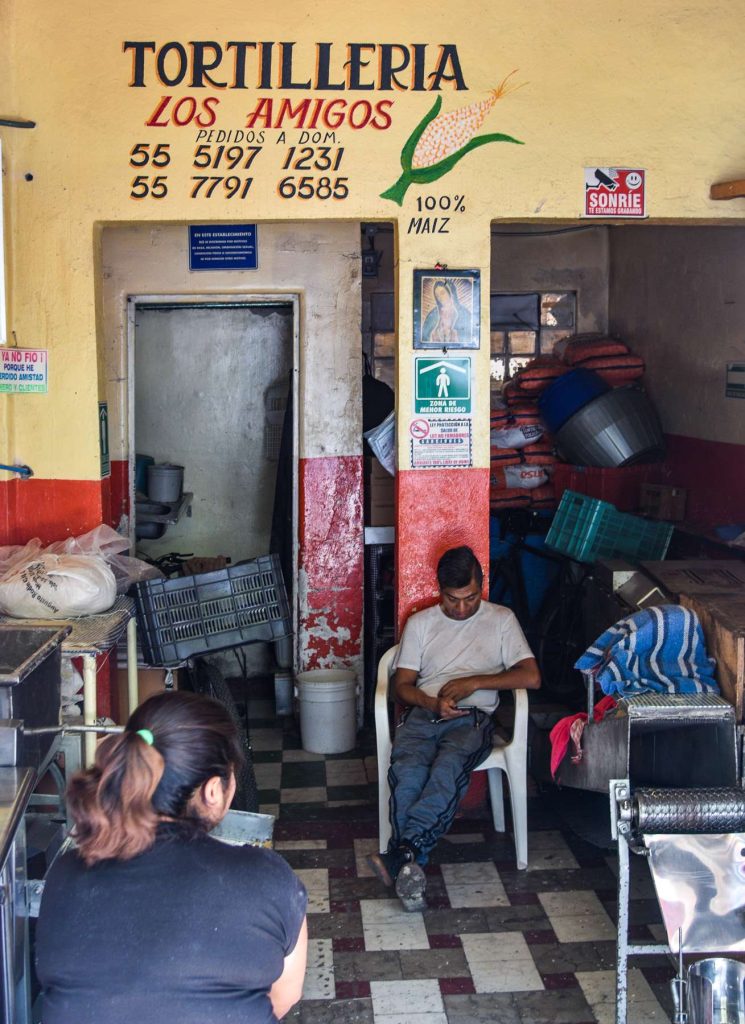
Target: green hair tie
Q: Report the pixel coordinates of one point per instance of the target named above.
(147, 736)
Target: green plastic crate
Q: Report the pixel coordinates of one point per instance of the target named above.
(588, 529)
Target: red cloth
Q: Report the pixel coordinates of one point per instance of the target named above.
(570, 728)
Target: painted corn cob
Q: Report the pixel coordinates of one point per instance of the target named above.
(440, 140)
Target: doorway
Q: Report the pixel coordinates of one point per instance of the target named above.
(212, 389)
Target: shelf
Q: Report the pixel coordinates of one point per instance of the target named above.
(380, 534)
(176, 510)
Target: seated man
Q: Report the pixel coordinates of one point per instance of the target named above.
(452, 661)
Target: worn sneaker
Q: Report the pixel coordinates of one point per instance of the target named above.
(411, 883)
(388, 865)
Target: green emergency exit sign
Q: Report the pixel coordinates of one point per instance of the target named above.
(442, 385)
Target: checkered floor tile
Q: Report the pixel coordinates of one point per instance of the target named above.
(494, 944)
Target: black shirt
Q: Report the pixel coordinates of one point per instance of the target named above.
(191, 931)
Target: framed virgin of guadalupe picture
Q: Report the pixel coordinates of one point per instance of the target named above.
(447, 308)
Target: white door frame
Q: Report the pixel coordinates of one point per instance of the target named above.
(210, 299)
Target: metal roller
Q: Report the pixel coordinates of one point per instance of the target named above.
(716, 811)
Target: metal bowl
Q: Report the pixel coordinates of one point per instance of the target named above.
(619, 428)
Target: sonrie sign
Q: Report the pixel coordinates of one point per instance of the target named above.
(615, 192)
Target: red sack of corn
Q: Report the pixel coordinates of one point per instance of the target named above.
(580, 349)
(519, 427)
(512, 498)
(543, 497)
(540, 454)
(504, 456)
(525, 413)
(538, 374)
(511, 394)
(499, 416)
(616, 370)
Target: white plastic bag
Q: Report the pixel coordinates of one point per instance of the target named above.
(102, 541)
(71, 689)
(52, 586)
(382, 440)
(106, 543)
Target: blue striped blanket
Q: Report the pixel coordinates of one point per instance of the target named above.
(660, 649)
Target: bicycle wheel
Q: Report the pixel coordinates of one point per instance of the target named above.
(208, 680)
(559, 645)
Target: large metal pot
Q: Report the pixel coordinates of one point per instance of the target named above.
(619, 428)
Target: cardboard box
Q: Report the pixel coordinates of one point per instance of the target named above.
(150, 680)
(380, 499)
(660, 501)
(722, 618)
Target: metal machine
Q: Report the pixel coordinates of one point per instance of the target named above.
(680, 803)
(30, 736)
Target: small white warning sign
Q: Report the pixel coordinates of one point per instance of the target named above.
(615, 192)
(441, 442)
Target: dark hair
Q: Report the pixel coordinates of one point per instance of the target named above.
(116, 804)
(458, 567)
(440, 283)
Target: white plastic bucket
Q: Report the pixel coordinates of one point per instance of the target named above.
(328, 710)
(165, 482)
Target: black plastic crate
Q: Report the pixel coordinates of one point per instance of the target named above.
(212, 611)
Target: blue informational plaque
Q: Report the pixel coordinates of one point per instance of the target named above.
(223, 247)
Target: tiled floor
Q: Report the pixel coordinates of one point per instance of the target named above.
(495, 944)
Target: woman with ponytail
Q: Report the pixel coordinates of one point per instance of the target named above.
(150, 920)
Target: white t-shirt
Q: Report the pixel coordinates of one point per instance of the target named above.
(439, 648)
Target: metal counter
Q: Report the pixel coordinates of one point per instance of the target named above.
(16, 785)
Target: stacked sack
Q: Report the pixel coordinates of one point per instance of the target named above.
(610, 358)
(522, 455)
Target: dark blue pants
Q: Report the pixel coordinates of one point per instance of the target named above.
(430, 766)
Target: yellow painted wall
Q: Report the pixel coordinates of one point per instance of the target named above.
(648, 83)
(317, 262)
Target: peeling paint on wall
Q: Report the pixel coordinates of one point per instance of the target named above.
(331, 566)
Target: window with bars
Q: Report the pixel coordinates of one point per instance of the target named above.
(525, 325)
(382, 322)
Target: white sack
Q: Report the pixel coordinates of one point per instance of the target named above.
(516, 436)
(57, 587)
(525, 476)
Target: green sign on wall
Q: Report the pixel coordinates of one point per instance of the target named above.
(103, 438)
(442, 385)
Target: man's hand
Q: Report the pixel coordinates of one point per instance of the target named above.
(446, 709)
(408, 693)
(458, 689)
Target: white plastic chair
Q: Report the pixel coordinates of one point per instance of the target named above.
(511, 758)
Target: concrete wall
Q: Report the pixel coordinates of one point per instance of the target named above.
(524, 260)
(676, 297)
(200, 381)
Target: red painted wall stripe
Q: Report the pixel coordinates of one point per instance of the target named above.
(331, 560)
(51, 509)
(119, 490)
(713, 473)
(436, 509)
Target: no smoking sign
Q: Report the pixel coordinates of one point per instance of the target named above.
(419, 428)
